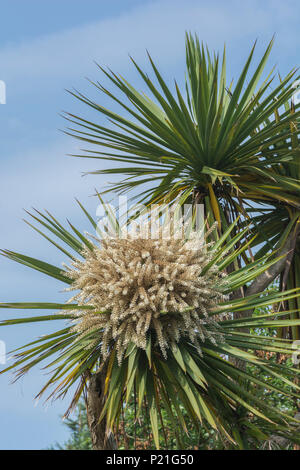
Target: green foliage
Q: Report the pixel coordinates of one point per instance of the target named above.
(209, 388)
(214, 133)
(233, 147)
(221, 145)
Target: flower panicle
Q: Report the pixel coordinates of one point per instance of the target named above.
(144, 284)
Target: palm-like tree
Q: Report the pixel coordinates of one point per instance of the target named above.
(222, 146)
(211, 388)
(229, 147)
(219, 141)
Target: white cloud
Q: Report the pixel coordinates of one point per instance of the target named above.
(158, 26)
(44, 178)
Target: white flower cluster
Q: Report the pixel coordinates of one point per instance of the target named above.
(140, 285)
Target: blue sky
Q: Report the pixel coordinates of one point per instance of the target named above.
(46, 47)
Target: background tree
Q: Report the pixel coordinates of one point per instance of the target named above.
(80, 437)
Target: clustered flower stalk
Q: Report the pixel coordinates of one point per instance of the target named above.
(139, 284)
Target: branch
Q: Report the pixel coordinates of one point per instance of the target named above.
(267, 277)
(264, 279)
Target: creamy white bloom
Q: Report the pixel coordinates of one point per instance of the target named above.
(139, 285)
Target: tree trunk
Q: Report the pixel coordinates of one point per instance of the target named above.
(267, 277)
(102, 438)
